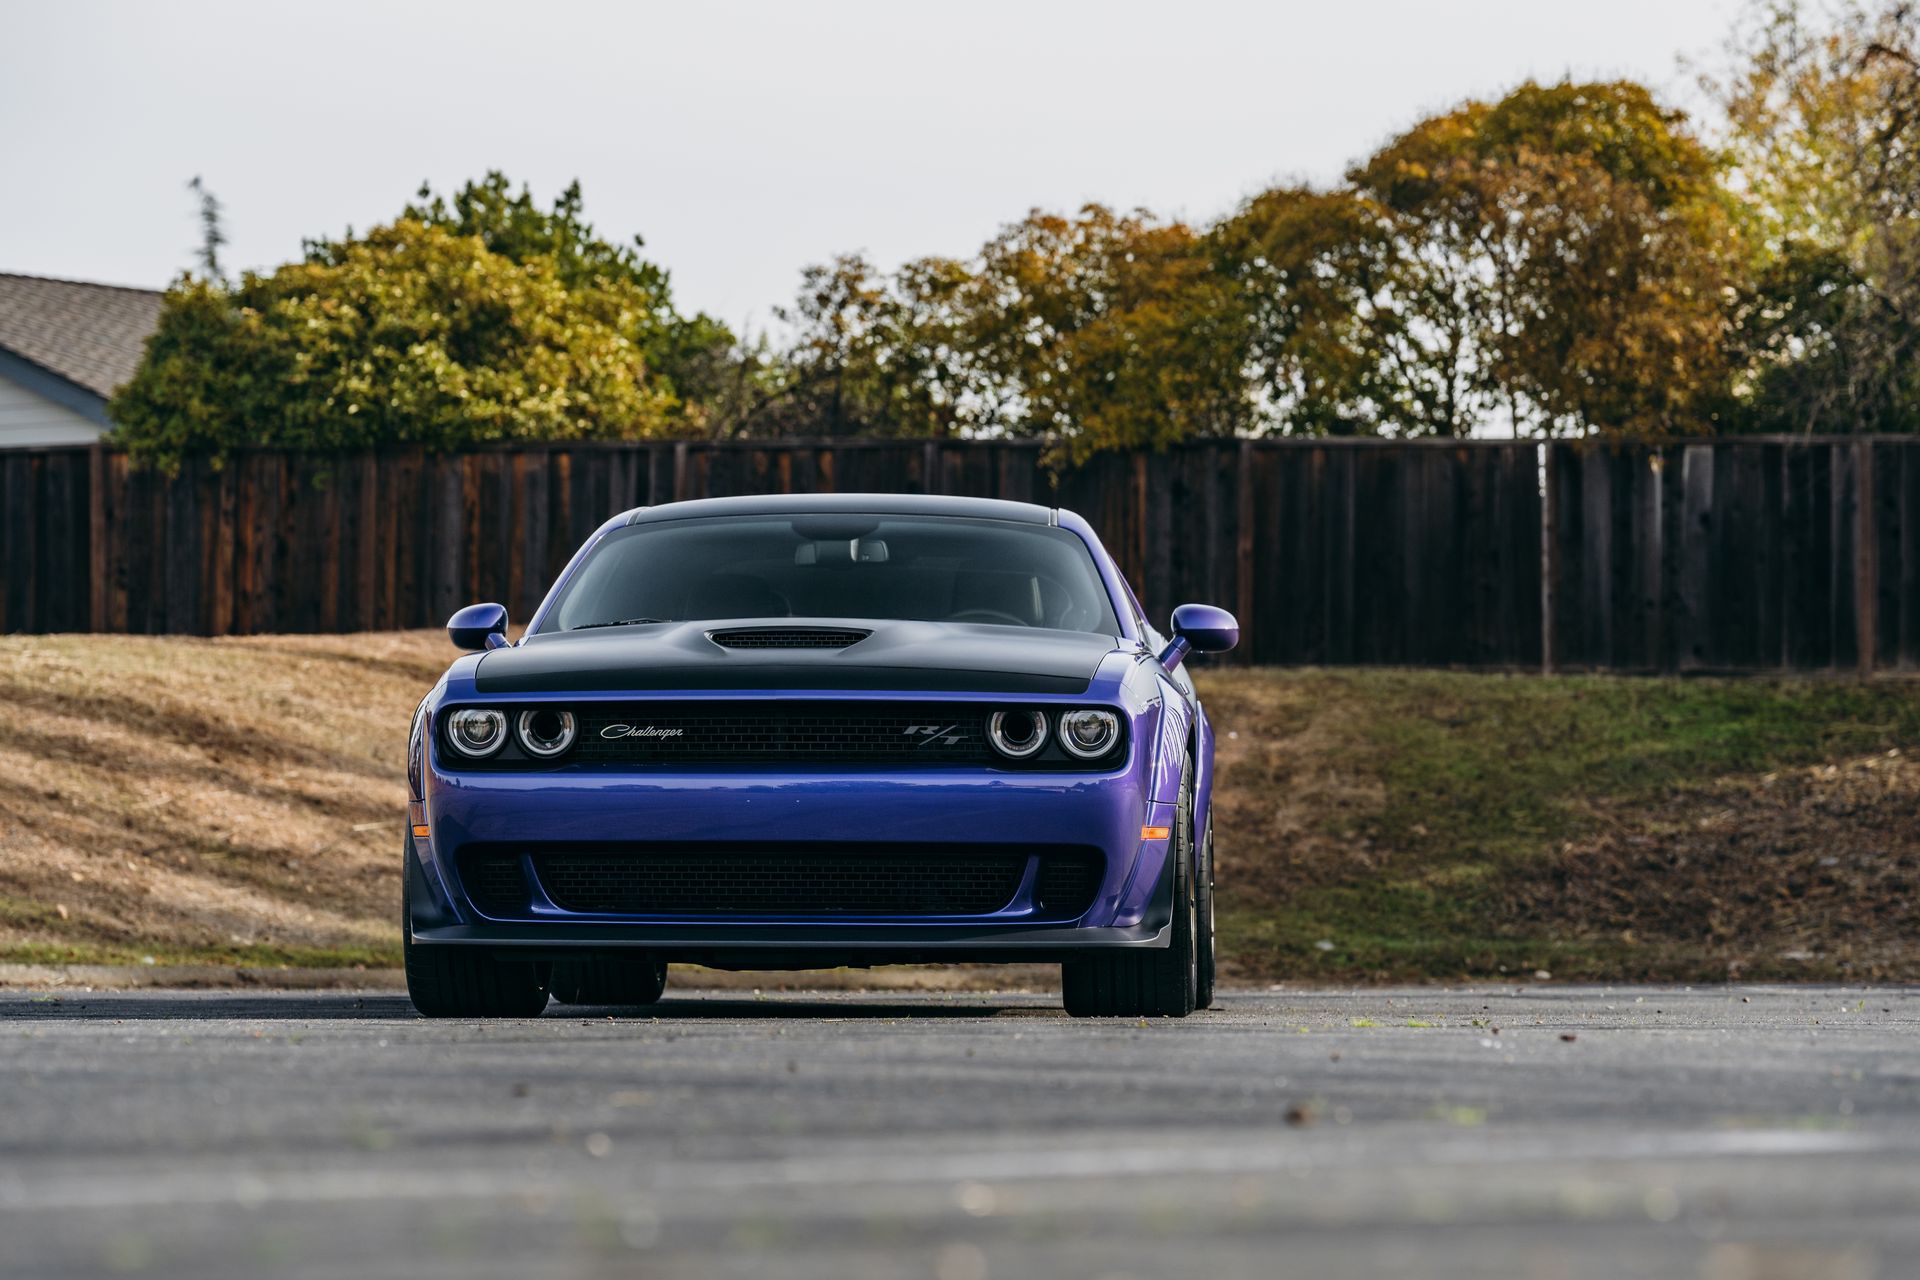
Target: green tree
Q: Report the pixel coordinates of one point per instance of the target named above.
(1825, 131)
(410, 334)
(1094, 331)
(1564, 258)
(866, 356)
(1334, 344)
(692, 354)
(1105, 330)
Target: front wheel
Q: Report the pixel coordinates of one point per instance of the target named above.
(1206, 966)
(1148, 984)
(465, 982)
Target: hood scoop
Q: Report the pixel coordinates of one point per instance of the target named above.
(795, 655)
(787, 637)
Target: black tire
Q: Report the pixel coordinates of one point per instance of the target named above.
(1207, 964)
(1147, 984)
(610, 980)
(465, 982)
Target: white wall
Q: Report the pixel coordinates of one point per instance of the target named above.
(29, 418)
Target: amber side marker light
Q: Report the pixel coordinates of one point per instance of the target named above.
(422, 830)
(1155, 833)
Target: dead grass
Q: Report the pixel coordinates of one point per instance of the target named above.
(1767, 876)
(235, 800)
(241, 802)
(1398, 824)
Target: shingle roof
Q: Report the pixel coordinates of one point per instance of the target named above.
(89, 334)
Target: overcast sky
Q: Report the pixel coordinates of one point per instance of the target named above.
(742, 140)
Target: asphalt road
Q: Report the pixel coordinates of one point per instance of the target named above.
(1723, 1133)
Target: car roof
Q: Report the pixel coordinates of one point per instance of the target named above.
(879, 504)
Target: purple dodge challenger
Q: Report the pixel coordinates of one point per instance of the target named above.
(809, 731)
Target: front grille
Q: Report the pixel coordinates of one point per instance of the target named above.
(786, 638)
(495, 882)
(787, 883)
(801, 732)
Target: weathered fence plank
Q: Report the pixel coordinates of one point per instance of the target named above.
(1736, 555)
(1897, 539)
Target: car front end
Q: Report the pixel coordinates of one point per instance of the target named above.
(789, 828)
(802, 733)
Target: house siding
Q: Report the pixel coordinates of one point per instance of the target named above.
(29, 418)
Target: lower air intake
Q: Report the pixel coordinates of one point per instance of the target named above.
(495, 883)
(782, 884)
(1066, 885)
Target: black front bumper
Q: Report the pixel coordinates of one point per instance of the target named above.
(746, 944)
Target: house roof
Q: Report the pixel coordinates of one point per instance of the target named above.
(92, 335)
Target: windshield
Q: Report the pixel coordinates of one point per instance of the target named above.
(924, 568)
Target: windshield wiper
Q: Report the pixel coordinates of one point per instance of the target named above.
(621, 622)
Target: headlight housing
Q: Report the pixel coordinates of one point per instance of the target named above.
(1089, 734)
(545, 732)
(1017, 734)
(477, 733)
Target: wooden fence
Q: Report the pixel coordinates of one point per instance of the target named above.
(1771, 554)
(1741, 555)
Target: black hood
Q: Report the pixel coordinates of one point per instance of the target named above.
(934, 657)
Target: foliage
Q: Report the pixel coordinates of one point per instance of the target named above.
(476, 318)
(1309, 271)
(689, 355)
(213, 231)
(410, 334)
(1825, 123)
(867, 357)
(1569, 259)
(1563, 259)
(1109, 331)
(1098, 330)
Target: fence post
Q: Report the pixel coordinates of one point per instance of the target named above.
(1243, 555)
(97, 537)
(1548, 566)
(930, 478)
(1866, 585)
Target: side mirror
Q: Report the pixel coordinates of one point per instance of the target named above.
(1201, 628)
(478, 626)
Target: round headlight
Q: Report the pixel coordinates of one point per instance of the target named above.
(1089, 734)
(477, 733)
(1017, 734)
(545, 732)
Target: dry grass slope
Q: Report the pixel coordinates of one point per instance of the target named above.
(1401, 824)
(241, 801)
(196, 800)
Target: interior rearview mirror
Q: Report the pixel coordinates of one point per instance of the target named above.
(841, 551)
